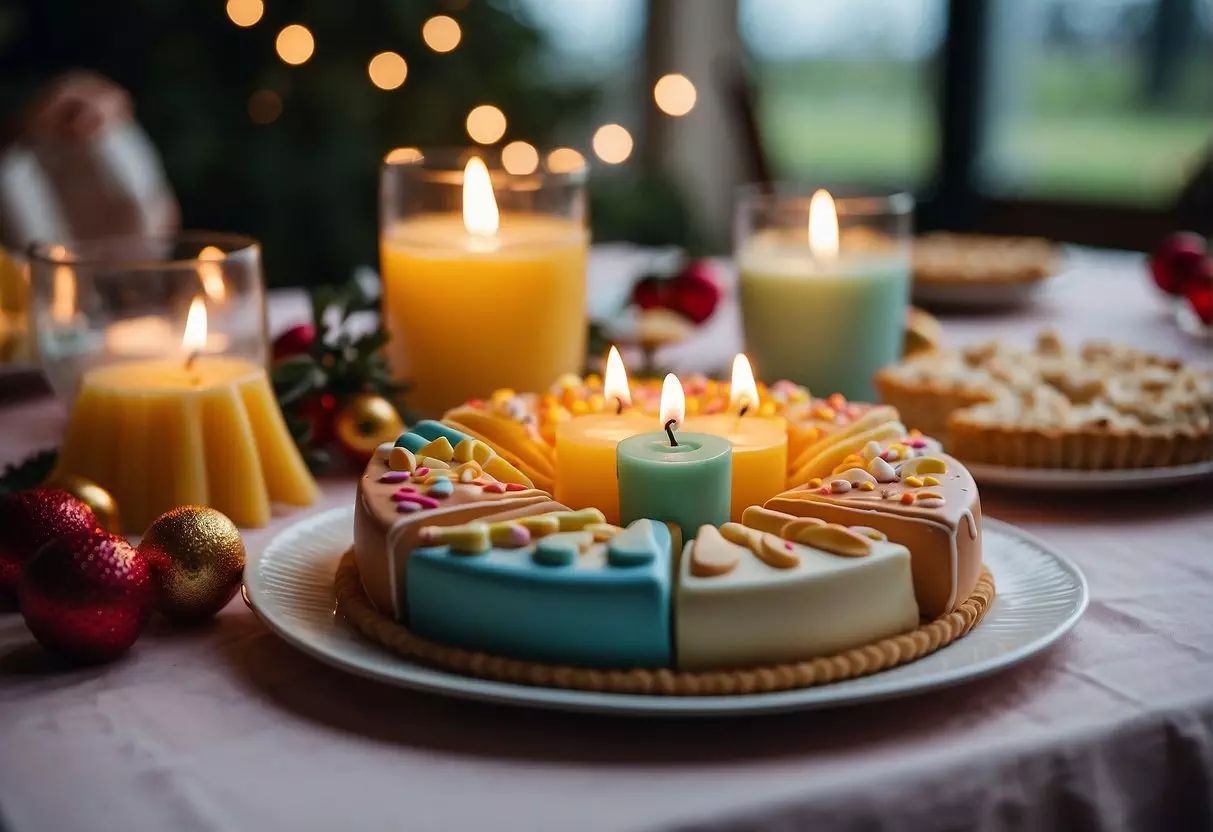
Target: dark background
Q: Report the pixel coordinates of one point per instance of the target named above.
(1080, 119)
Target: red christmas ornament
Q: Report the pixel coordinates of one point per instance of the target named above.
(695, 292)
(87, 596)
(319, 411)
(295, 341)
(1178, 262)
(1200, 298)
(31, 519)
(649, 293)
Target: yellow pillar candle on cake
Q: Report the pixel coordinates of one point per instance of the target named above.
(192, 429)
(484, 297)
(759, 440)
(585, 446)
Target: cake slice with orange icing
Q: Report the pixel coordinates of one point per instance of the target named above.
(929, 504)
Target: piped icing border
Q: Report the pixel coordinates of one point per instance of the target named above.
(879, 655)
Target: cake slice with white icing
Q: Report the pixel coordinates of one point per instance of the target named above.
(781, 589)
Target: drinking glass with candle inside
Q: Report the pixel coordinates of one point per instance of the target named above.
(585, 446)
(172, 405)
(673, 475)
(759, 440)
(105, 300)
(483, 275)
(824, 285)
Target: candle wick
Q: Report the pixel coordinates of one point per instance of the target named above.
(618, 405)
(669, 429)
(190, 359)
(745, 407)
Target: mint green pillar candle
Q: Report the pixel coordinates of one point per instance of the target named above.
(688, 484)
(824, 286)
(827, 326)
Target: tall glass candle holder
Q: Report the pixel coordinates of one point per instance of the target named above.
(824, 285)
(118, 299)
(484, 273)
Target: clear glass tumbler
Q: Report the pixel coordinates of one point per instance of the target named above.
(484, 272)
(113, 299)
(824, 285)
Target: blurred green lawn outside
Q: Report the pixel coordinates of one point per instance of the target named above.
(1082, 131)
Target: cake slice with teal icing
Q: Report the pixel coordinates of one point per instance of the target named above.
(562, 587)
(431, 476)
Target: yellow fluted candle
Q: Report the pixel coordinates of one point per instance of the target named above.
(207, 431)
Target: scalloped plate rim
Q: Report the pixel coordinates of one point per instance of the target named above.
(1072, 479)
(351, 653)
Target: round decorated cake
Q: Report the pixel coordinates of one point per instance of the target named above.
(459, 543)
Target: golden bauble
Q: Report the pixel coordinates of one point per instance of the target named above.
(365, 423)
(923, 332)
(197, 560)
(103, 504)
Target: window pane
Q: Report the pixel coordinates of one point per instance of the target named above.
(595, 43)
(846, 87)
(1098, 100)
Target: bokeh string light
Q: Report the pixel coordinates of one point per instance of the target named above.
(519, 158)
(441, 33)
(295, 44)
(264, 106)
(675, 94)
(486, 124)
(245, 13)
(403, 155)
(612, 143)
(565, 160)
(387, 70)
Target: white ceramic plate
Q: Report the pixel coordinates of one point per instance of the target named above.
(1041, 595)
(1058, 479)
(976, 294)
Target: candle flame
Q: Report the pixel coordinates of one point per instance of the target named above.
(743, 391)
(673, 402)
(615, 383)
(63, 295)
(210, 274)
(823, 226)
(480, 215)
(195, 327)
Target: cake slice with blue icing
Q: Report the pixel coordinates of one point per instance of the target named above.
(562, 587)
(776, 589)
(431, 476)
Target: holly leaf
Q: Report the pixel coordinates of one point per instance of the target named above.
(295, 378)
(29, 472)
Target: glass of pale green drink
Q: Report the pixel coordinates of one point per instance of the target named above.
(825, 284)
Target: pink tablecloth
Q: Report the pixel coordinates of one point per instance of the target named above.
(226, 727)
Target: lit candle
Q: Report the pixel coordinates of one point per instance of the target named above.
(189, 429)
(760, 443)
(585, 446)
(825, 318)
(482, 300)
(673, 476)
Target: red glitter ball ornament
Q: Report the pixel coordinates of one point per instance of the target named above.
(1200, 298)
(31, 519)
(1178, 262)
(695, 292)
(87, 596)
(295, 341)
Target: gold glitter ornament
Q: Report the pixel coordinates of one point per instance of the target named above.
(92, 495)
(364, 424)
(197, 560)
